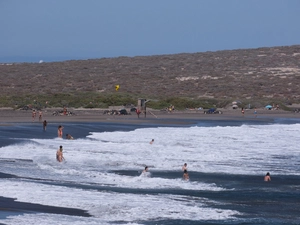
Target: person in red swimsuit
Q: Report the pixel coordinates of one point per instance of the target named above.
(60, 131)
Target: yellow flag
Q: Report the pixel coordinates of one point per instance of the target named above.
(117, 87)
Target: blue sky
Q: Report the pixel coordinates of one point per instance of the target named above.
(55, 30)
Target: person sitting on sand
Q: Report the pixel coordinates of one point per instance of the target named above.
(185, 175)
(69, 137)
(59, 154)
(151, 142)
(267, 177)
(184, 167)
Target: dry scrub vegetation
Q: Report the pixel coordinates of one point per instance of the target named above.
(262, 74)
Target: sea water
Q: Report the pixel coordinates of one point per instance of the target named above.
(102, 174)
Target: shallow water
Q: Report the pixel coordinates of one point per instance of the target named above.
(102, 174)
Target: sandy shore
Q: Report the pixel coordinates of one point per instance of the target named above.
(8, 115)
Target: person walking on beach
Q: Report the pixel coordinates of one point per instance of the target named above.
(60, 131)
(243, 111)
(267, 177)
(184, 167)
(59, 154)
(44, 125)
(255, 112)
(40, 116)
(138, 112)
(33, 115)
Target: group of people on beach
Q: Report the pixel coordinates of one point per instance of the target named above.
(34, 115)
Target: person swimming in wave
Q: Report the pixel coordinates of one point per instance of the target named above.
(145, 172)
(69, 137)
(267, 177)
(185, 175)
(151, 142)
(59, 154)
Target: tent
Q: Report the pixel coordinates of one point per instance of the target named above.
(268, 107)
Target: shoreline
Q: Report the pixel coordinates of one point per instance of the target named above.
(186, 117)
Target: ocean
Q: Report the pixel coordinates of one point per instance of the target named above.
(101, 179)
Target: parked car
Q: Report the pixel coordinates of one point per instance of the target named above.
(212, 111)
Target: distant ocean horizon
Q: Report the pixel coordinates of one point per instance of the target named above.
(37, 59)
(101, 180)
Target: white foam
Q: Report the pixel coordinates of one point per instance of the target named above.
(235, 150)
(116, 206)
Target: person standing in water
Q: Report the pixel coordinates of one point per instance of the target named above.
(184, 167)
(59, 154)
(60, 131)
(185, 175)
(151, 142)
(267, 177)
(44, 125)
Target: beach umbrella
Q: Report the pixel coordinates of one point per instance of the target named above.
(234, 103)
(268, 107)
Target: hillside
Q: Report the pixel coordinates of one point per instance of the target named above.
(262, 73)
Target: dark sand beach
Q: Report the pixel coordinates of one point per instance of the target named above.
(8, 115)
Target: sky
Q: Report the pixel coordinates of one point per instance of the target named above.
(57, 30)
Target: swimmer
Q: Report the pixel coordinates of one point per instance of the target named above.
(145, 170)
(184, 167)
(59, 154)
(267, 177)
(69, 137)
(151, 142)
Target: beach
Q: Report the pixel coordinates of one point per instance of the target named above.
(8, 115)
(101, 181)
